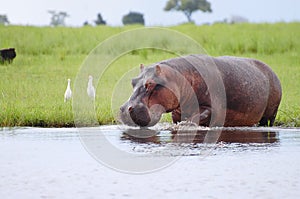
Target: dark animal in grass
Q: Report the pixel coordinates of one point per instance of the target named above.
(221, 91)
(7, 55)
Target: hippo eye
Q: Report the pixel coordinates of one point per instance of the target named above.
(150, 86)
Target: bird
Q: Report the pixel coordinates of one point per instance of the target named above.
(90, 88)
(68, 93)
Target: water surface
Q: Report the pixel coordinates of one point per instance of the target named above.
(208, 163)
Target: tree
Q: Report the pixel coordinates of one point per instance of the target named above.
(58, 18)
(3, 20)
(133, 18)
(86, 23)
(188, 6)
(99, 20)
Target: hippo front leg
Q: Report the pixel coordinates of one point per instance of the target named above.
(176, 116)
(202, 118)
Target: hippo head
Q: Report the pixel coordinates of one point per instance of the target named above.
(150, 99)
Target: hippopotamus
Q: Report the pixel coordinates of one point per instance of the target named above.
(209, 91)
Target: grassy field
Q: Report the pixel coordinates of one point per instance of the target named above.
(32, 87)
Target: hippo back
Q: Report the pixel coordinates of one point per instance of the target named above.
(252, 89)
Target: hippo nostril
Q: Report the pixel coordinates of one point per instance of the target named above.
(130, 108)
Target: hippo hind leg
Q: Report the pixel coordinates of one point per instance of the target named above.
(263, 121)
(268, 121)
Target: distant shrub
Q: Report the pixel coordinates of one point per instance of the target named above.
(133, 18)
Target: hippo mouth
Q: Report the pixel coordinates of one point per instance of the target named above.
(140, 115)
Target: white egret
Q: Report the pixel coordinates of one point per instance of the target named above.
(68, 93)
(90, 88)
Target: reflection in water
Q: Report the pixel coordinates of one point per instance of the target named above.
(143, 135)
(199, 136)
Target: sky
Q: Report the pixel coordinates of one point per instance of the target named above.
(35, 12)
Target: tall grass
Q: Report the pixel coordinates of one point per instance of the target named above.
(32, 87)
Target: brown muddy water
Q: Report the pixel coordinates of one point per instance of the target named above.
(161, 162)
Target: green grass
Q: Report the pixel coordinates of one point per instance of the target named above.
(32, 87)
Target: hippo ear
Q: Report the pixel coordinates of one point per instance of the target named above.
(157, 70)
(141, 68)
